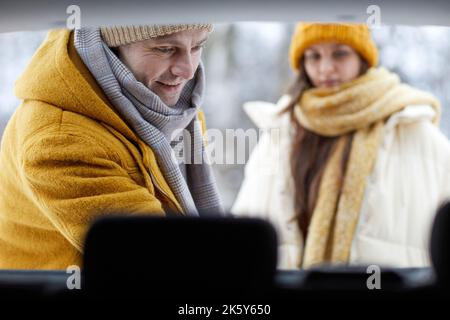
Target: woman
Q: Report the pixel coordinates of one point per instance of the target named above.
(353, 165)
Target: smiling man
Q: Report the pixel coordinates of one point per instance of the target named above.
(166, 63)
(94, 135)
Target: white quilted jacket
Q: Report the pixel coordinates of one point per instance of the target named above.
(411, 178)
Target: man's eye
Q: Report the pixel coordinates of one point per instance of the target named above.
(197, 48)
(165, 49)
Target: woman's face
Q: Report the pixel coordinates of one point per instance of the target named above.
(329, 64)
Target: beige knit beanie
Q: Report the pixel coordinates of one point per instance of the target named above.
(115, 36)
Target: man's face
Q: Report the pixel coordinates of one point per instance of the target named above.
(165, 64)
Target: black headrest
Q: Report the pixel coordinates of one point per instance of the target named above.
(440, 244)
(179, 256)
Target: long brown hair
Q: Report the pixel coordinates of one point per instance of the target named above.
(309, 154)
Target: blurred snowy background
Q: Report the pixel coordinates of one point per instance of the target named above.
(249, 61)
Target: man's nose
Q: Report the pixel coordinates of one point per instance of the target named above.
(183, 66)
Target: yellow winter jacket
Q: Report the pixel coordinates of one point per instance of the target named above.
(66, 159)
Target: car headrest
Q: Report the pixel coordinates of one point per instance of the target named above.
(440, 243)
(179, 256)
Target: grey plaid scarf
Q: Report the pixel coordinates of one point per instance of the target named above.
(155, 123)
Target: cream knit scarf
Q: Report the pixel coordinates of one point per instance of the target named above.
(360, 106)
